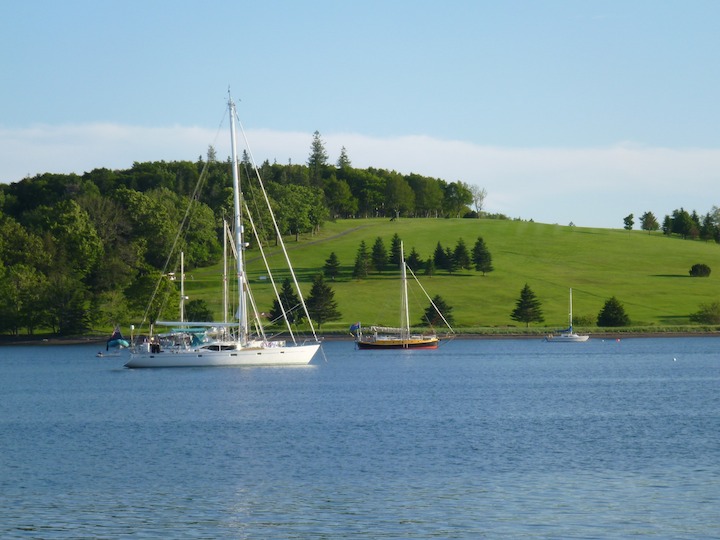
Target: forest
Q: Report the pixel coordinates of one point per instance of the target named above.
(82, 252)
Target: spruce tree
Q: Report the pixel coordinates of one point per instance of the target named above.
(395, 250)
(613, 314)
(527, 308)
(332, 267)
(290, 303)
(461, 255)
(430, 267)
(362, 262)
(451, 265)
(379, 255)
(413, 261)
(481, 257)
(432, 317)
(321, 303)
(439, 257)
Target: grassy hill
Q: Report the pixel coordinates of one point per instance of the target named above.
(648, 273)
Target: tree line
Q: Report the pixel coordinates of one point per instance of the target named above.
(687, 225)
(378, 259)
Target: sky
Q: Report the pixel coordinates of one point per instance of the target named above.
(564, 111)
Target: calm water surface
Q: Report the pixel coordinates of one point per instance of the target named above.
(479, 439)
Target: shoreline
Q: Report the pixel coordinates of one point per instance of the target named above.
(100, 340)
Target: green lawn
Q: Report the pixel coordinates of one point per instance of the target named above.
(648, 273)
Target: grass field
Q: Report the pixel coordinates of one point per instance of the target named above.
(648, 273)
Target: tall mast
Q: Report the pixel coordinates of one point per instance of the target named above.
(225, 272)
(182, 286)
(242, 304)
(405, 322)
(570, 309)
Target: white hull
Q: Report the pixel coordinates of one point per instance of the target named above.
(298, 355)
(567, 338)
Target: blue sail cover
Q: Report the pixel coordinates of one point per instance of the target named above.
(116, 340)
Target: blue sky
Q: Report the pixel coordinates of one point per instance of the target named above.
(564, 111)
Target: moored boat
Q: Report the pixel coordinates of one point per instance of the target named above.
(383, 337)
(202, 344)
(567, 335)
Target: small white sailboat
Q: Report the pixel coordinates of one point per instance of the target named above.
(567, 335)
(200, 344)
(382, 337)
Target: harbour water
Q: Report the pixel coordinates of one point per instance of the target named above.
(478, 439)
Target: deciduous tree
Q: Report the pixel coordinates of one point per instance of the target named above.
(707, 314)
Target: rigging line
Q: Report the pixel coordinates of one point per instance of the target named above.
(258, 324)
(270, 274)
(277, 228)
(431, 301)
(196, 191)
(181, 228)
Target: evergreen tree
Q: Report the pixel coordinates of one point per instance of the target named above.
(343, 161)
(461, 255)
(613, 314)
(317, 160)
(432, 317)
(648, 222)
(198, 310)
(290, 302)
(321, 303)
(451, 265)
(629, 221)
(332, 267)
(667, 226)
(439, 257)
(362, 262)
(481, 257)
(379, 255)
(413, 261)
(527, 308)
(430, 267)
(395, 250)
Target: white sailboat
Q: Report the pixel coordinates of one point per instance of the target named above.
(232, 344)
(382, 337)
(567, 335)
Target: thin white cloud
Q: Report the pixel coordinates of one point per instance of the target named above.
(587, 186)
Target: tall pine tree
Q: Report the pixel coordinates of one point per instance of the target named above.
(379, 255)
(332, 267)
(481, 257)
(290, 303)
(321, 303)
(527, 309)
(362, 262)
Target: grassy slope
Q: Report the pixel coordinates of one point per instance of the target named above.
(648, 273)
